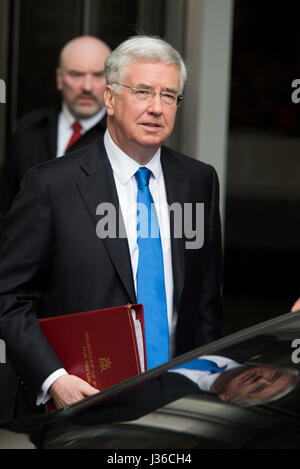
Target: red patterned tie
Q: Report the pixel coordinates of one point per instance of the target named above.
(76, 133)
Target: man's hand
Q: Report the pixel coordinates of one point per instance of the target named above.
(68, 389)
(296, 306)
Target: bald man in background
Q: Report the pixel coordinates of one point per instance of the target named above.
(51, 132)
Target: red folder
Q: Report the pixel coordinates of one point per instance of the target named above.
(99, 346)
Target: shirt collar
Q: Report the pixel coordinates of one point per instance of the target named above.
(124, 166)
(86, 124)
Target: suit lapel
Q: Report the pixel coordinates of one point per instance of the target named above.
(177, 191)
(96, 187)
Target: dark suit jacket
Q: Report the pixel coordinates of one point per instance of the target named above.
(53, 262)
(34, 142)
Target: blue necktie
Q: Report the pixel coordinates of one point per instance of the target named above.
(202, 364)
(150, 274)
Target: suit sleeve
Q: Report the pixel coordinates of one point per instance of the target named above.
(24, 272)
(212, 268)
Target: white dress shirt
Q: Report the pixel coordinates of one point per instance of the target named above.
(65, 130)
(124, 169)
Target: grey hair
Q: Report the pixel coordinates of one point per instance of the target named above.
(150, 48)
(252, 402)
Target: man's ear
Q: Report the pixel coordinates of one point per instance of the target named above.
(109, 100)
(59, 78)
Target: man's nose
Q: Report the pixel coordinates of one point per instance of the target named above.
(155, 104)
(87, 83)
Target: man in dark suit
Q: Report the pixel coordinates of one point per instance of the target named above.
(46, 133)
(57, 260)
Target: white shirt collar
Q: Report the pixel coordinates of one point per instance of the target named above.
(124, 166)
(86, 124)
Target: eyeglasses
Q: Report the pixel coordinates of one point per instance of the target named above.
(145, 95)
